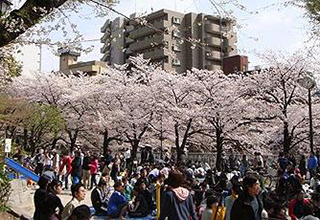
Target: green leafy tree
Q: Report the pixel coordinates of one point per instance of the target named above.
(44, 124)
(313, 9)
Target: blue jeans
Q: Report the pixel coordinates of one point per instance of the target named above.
(75, 180)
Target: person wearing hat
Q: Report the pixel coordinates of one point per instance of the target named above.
(178, 202)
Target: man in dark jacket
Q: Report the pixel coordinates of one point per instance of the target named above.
(248, 206)
(86, 170)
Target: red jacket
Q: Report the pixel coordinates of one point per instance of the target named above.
(66, 161)
(292, 207)
(94, 165)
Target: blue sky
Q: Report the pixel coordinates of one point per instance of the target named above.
(273, 27)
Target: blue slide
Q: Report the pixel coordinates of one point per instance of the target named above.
(20, 169)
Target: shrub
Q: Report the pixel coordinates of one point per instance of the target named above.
(4, 188)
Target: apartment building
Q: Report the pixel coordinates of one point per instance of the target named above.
(177, 41)
(69, 64)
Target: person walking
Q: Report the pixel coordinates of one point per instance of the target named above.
(94, 166)
(55, 163)
(248, 205)
(39, 161)
(86, 170)
(65, 168)
(312, 164)
(76, 172)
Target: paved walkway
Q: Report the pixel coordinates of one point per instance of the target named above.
(21, 200)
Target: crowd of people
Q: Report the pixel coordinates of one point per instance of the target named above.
(188, 190)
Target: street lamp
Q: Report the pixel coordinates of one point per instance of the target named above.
(309, 83)
(4, 6)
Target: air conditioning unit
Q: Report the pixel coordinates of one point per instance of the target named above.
(176, 20)
(176, 62)
(176, 48)
(176, 33)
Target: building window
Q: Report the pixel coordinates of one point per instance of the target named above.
(176, 20)
(176, 48)
(165, 44)
(244, 68)
(166, 60)
(176, 33)
(176, 62)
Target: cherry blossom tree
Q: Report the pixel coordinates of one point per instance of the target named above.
(64, 92)
(282, 99)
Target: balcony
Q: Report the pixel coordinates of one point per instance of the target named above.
(129, 52)
(145, 30)
(129, 28)
(231, 38)
(129, 40)
(147, 43)
(105, 26)
(104, 38)
(212, 28)
(213, 41)
(106, 57)
(105, 48)
(157, 54)
(213, 67)
(213, 55)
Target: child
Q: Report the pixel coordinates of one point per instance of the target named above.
(211, 202)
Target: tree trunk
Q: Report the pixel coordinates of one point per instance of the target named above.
(54, 143)
(73, 144)
(286, 138)
(180, 148)
(106, 142)
(32, 145)
(219, 148)
(25, 138)
(134, 145)
(176, 129)
(26, 17)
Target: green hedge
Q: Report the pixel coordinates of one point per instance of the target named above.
(5, 188)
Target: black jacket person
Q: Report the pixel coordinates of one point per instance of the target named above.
(248, 206)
